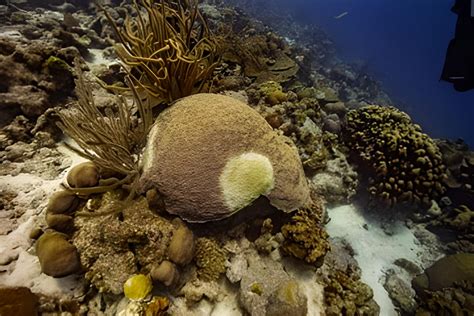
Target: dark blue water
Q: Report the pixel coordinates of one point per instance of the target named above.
(404, 43)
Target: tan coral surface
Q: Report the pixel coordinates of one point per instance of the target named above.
(192, 141)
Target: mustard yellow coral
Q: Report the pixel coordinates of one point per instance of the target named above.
(210, 259)
(305, 237)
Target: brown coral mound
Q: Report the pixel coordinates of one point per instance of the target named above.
(191, 143)
(403, 163)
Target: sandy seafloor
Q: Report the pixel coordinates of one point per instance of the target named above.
(377, 240)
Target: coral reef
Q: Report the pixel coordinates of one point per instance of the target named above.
(112, 249)
(457, 222)
(210, 259)
(229, 157)
(347, 295)
(166, 273)
(403, 163)
(37, 76)
(344, 292)
(108, 138)
(27, 150)
(455, 300)
(264, 283)
(297, 117)
(85, 174)
(205, 132)
(304, 235)
(454, 223)
(265, 57)
(273, 92)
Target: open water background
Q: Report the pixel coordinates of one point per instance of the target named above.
(402, 43)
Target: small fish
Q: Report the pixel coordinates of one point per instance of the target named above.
(343, 14)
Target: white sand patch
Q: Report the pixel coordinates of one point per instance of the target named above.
(375, 250)
(18, 264)
(229, 306)
(27, 273)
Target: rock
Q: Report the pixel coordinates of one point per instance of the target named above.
(408, 266)
(445, 272)
(237, 267)
(287, 300)
(400, 292)
(332, 125)
(219, 141)
(265, 282)
(338, 182)
(337, 108)
(111, 270)
(18, 301)
(181, 247)
(196, 289)
(58, 258)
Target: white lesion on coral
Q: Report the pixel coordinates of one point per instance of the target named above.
(245, 178)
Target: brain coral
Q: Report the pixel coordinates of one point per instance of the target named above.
(403, 163)
(211, 155)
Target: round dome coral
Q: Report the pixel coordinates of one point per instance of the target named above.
(211, 155)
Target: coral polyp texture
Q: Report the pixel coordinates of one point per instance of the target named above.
(403, 163)
(211, 155)
(305, 237)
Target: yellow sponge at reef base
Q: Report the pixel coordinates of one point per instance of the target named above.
(137, 287)
(245, 178)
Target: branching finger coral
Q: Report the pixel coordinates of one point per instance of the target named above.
(168, 48)
(403, 163)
